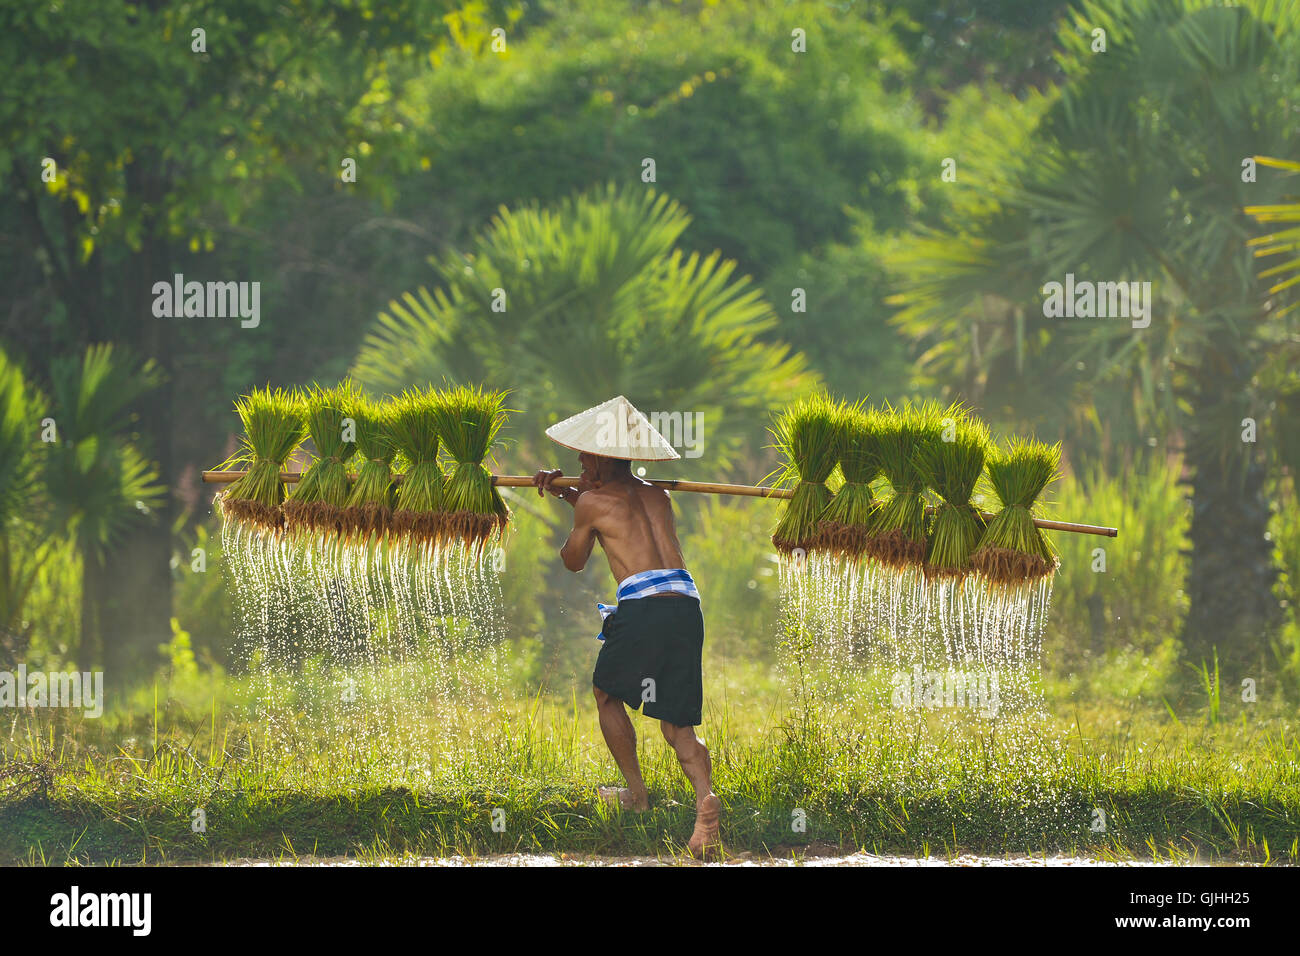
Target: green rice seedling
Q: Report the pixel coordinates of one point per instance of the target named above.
(952, 467)
(468, 418)
(898, 534)
(369, 509)
(806, 434)
(414, 429)
(1013, 550)
(316, 504)
(273, 428)
(845, 525)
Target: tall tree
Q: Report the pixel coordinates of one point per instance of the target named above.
(1138, 172)
(21, 409)
(130, 130)
(572, 304)
(766, 136)
(98, 482)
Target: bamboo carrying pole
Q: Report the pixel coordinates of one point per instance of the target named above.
(673, 484)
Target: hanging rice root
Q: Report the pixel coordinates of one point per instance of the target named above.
(897, 549)
(472, 528)
(1004, 566)
(844, 540)
(359, 522)
(419, 527)
(247, 511)
(309, 517)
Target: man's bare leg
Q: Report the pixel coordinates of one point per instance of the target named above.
(620, 738)
(694, 757)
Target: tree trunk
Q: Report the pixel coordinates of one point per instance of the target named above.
(89, 652)
(138, 599)
(1232, 570)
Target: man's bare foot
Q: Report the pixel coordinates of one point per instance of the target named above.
(706, 841)
(624, 798)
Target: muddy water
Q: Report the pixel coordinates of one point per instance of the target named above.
(742, 859)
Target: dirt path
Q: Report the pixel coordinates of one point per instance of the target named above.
(742, 859)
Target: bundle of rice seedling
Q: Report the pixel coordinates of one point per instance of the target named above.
(316, 504)
(806, 434)
(414, 429)
(952, 467)
(845, 525)
(1013, 550)
(369, 509)
(898, 531)
(468, 419)
(273, 428)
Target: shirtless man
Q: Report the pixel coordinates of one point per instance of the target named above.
(654, 637)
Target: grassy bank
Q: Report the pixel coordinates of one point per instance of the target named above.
(125, 788)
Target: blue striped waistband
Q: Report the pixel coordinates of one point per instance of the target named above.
(645, 583)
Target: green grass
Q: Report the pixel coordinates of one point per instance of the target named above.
(1172, 783)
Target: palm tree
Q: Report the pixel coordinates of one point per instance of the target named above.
(1277, 243)
(97, 480)
(597, 303)
(1133, 171)
(22, 550)
(1284, 284)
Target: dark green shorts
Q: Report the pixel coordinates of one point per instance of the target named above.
(651, 656)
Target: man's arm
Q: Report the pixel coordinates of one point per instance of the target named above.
(577, 550)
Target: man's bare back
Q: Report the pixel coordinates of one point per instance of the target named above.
(632, 519)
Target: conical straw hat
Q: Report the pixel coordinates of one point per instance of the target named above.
(614, 429)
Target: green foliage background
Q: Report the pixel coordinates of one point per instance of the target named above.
(780, 176)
